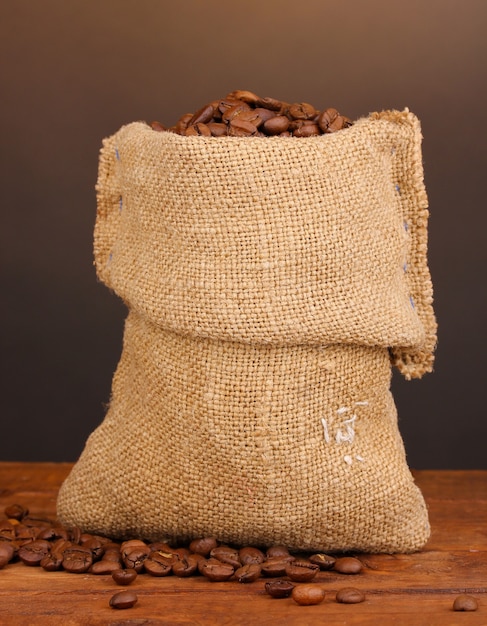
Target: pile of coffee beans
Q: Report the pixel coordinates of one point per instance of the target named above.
(245, 114)
(45, 543)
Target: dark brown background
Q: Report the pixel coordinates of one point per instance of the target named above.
(73, 71)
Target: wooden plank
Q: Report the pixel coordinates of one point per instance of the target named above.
(401, 589)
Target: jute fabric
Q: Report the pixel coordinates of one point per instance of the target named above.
(270, 284)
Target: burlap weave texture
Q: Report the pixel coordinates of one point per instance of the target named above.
(269, 282)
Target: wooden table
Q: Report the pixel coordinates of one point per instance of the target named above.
(400, 589)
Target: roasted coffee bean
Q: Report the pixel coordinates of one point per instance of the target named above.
(307, 130)
(227, 103)
(132, 544)
(308, 594)
(241, 128)
(276, 566)
(33, 552)
(203, 115)
(465, 602)
(112, 555)
(217, 129)
(7, 531)
(52, 533)
(123, 600)
(155, 565)
(7, 551)
(235, 111)
(182, 123)
(274, 551)
(276, 125)
(271, 103)
(105, 567)
(279, 588)
(215, 570)
(135, 558)
(249, 554)
(186, 565)
(77, 559)
(74, 534)
(326, 117)
(52, 562)
(225, 554)
(246, 96)
(324, 561)
(349, 595)
(204, 545)
(264, 114)
(348, 565)
(124, 576)
(301, 571)
(16, 511)
(95, 546)
(302, 111)
(248, 573)
(198, 130)
(157, 126)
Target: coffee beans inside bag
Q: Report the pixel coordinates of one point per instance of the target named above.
(271, 284)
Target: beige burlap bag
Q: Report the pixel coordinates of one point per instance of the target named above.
(270, 283)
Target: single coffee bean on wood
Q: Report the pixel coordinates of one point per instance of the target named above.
(324, 561)
(348, 565)
(123, 600)
(15, 511)
(308, 594)
(32, 553)
(465, 602)
(279, 588)
(349, 595)
(215, 570)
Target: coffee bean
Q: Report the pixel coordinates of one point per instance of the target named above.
(33, 552)
(248, 573)
(349, 595)
(276, 566)
(203, 545)
(276, 125)
(105, 567)
(279, 588)
(217, 129)
(7, 551)
(157, 126)
(271, 104)
(77, 559)
(274, 551)
(215, 570)
(301, 571)
(225, 554)
(157, 565)
(15, 511)
(307, 130)
(465, 602)
(52, 562)
(124, 576)
(241, 128)
(203, 115)
(123, 600)
(308, 594)
(186, 565)
(249, 554)
(246, 96)
(324, 561)
(235, 111)
(348, 565)
(302, 111)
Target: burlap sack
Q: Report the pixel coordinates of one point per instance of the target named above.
(270, 283)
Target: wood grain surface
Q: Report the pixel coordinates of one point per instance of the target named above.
(400, 589)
